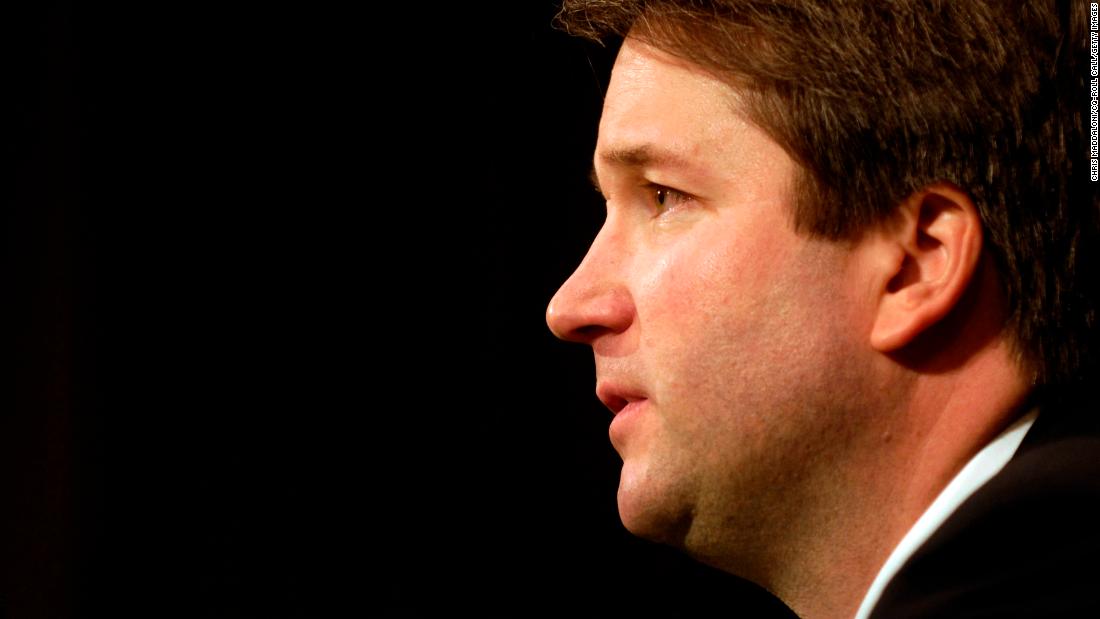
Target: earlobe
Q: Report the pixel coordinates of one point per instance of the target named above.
(935, 241)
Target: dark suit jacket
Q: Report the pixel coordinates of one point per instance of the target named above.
(1026, 544)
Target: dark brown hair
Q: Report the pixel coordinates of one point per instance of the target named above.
(877, 99)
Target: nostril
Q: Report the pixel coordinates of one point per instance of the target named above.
(589, 332)
(583, 313)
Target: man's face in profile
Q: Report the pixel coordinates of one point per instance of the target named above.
(725, 344)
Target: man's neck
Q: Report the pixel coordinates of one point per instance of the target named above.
(980, 469)
(882, 492)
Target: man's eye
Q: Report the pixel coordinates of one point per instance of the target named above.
(667, 199)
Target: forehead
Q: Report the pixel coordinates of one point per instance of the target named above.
(656, 100)
(664, 113)
(653, 94)
(639, 61)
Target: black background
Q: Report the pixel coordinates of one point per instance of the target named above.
(274, 284)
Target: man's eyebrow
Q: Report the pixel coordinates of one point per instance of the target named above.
(641, 156)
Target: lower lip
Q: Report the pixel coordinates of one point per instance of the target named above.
(624, 419)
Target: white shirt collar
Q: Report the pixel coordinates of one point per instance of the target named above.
(983, 466)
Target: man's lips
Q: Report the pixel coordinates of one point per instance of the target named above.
(627, 404)
(617, 397)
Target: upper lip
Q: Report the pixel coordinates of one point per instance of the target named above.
(615, 397)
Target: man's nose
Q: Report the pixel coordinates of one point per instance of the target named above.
(594, 301)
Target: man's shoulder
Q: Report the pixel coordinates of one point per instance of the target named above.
(1026, 544)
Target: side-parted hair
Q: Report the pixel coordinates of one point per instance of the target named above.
(877, 99)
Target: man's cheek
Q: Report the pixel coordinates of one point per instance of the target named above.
(671, 283)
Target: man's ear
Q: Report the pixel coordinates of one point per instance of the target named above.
(933, 246)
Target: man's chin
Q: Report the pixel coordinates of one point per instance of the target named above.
(653, 515)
